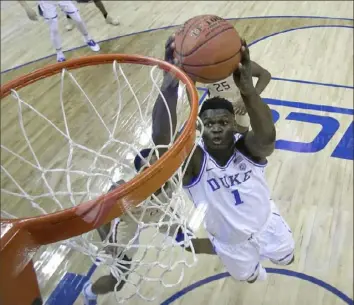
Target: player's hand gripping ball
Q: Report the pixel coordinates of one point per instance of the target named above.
(169, 78)
(243, 74)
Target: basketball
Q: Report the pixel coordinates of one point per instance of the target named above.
(208, 48)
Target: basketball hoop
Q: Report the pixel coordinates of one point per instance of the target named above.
(21, 237)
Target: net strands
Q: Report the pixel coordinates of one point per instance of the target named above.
(162, 216)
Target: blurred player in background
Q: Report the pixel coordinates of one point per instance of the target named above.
(99, 4)
(48, 10)
(228, 90)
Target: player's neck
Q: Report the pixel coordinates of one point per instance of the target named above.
(222, 156)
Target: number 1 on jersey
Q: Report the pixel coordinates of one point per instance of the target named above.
(237, 197)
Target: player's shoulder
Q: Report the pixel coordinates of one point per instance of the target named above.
(241, 147)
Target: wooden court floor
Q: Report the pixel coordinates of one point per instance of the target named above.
(308, 48)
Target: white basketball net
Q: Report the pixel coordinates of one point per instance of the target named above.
(39, 179)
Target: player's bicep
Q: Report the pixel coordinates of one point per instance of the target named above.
(194, 166)
(256, 147)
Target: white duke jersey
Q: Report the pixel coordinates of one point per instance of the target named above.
(226, 89)
(237, 197)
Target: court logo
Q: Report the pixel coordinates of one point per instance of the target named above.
(300, 112)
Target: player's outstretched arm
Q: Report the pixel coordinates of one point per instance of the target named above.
(260, 140)
(161, 133)
(263, 76)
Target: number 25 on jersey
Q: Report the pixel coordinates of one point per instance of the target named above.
(223, 86)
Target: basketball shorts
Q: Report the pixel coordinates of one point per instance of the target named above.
(274, 242)
(48, 9)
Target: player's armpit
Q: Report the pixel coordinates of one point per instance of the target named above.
(202, 246)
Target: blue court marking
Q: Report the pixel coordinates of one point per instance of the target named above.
(304, 28)
(311, 83)
(291, 16)
(308, 106)
(175, 25)
(301, 28)
(292, 104)
(204, 95)
(250, 44)
(70, 286)
(68, 289)
(291, 273)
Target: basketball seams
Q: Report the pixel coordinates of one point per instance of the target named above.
(215, 63)
(206, 41)
(185, 36)
(203, 78)
(208, 79)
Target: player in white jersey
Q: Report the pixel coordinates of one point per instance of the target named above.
(48, 9)
(227, 89)
(125, 229)
(226, 174)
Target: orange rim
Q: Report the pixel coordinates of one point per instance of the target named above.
(90, 215)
